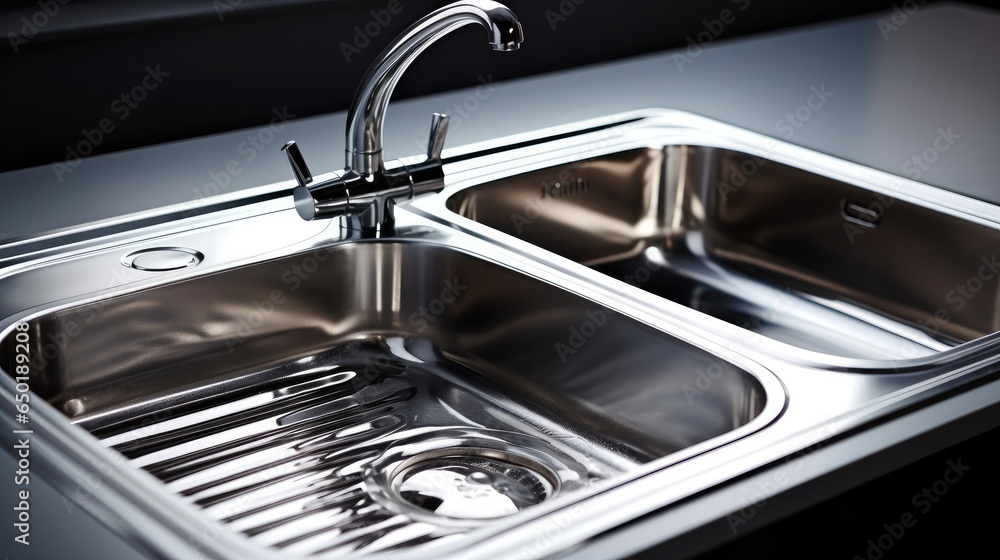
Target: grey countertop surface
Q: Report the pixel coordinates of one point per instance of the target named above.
(914, 97)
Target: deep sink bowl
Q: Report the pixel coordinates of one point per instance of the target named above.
(814, 260)
(303, 400)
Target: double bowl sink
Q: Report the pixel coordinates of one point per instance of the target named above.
(645, 306)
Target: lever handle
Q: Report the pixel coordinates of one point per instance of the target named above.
(297, 163)
(439, 129)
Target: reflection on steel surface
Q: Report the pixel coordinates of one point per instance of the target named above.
(449, 388)
(757, 243)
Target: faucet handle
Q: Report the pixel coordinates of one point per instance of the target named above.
(326, 199)
(297, 163)
(428, 175)
(439, 129)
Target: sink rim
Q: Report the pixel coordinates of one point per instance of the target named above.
(148, 492)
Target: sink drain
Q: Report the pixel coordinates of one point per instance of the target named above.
(472, 483)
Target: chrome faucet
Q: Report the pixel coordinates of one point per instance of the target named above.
(365, 192)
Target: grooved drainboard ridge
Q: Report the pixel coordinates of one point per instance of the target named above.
(285, 467)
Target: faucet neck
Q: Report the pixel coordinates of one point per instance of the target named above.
(367, 114)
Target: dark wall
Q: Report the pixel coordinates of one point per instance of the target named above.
(213, 66)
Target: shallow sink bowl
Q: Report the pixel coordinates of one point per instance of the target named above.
(799, 254)
(315, 402)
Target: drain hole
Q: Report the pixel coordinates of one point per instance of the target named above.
(417, 498)
(471, 486)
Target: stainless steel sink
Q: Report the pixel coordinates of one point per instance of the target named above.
(587, 326)
(817, 254)
(293, 399)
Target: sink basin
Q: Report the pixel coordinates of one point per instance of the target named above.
(799, 251)
(314, 408)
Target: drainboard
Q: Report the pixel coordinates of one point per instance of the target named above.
(356, 448)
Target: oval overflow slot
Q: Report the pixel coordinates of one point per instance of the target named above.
(858, 214)
(162, 259)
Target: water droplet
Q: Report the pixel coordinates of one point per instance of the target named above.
(479, 477)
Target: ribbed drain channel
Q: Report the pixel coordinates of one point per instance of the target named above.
(290, 464)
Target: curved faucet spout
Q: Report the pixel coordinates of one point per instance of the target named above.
(366, 193)
(367, 114)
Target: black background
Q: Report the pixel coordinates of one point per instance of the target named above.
(230, 73)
